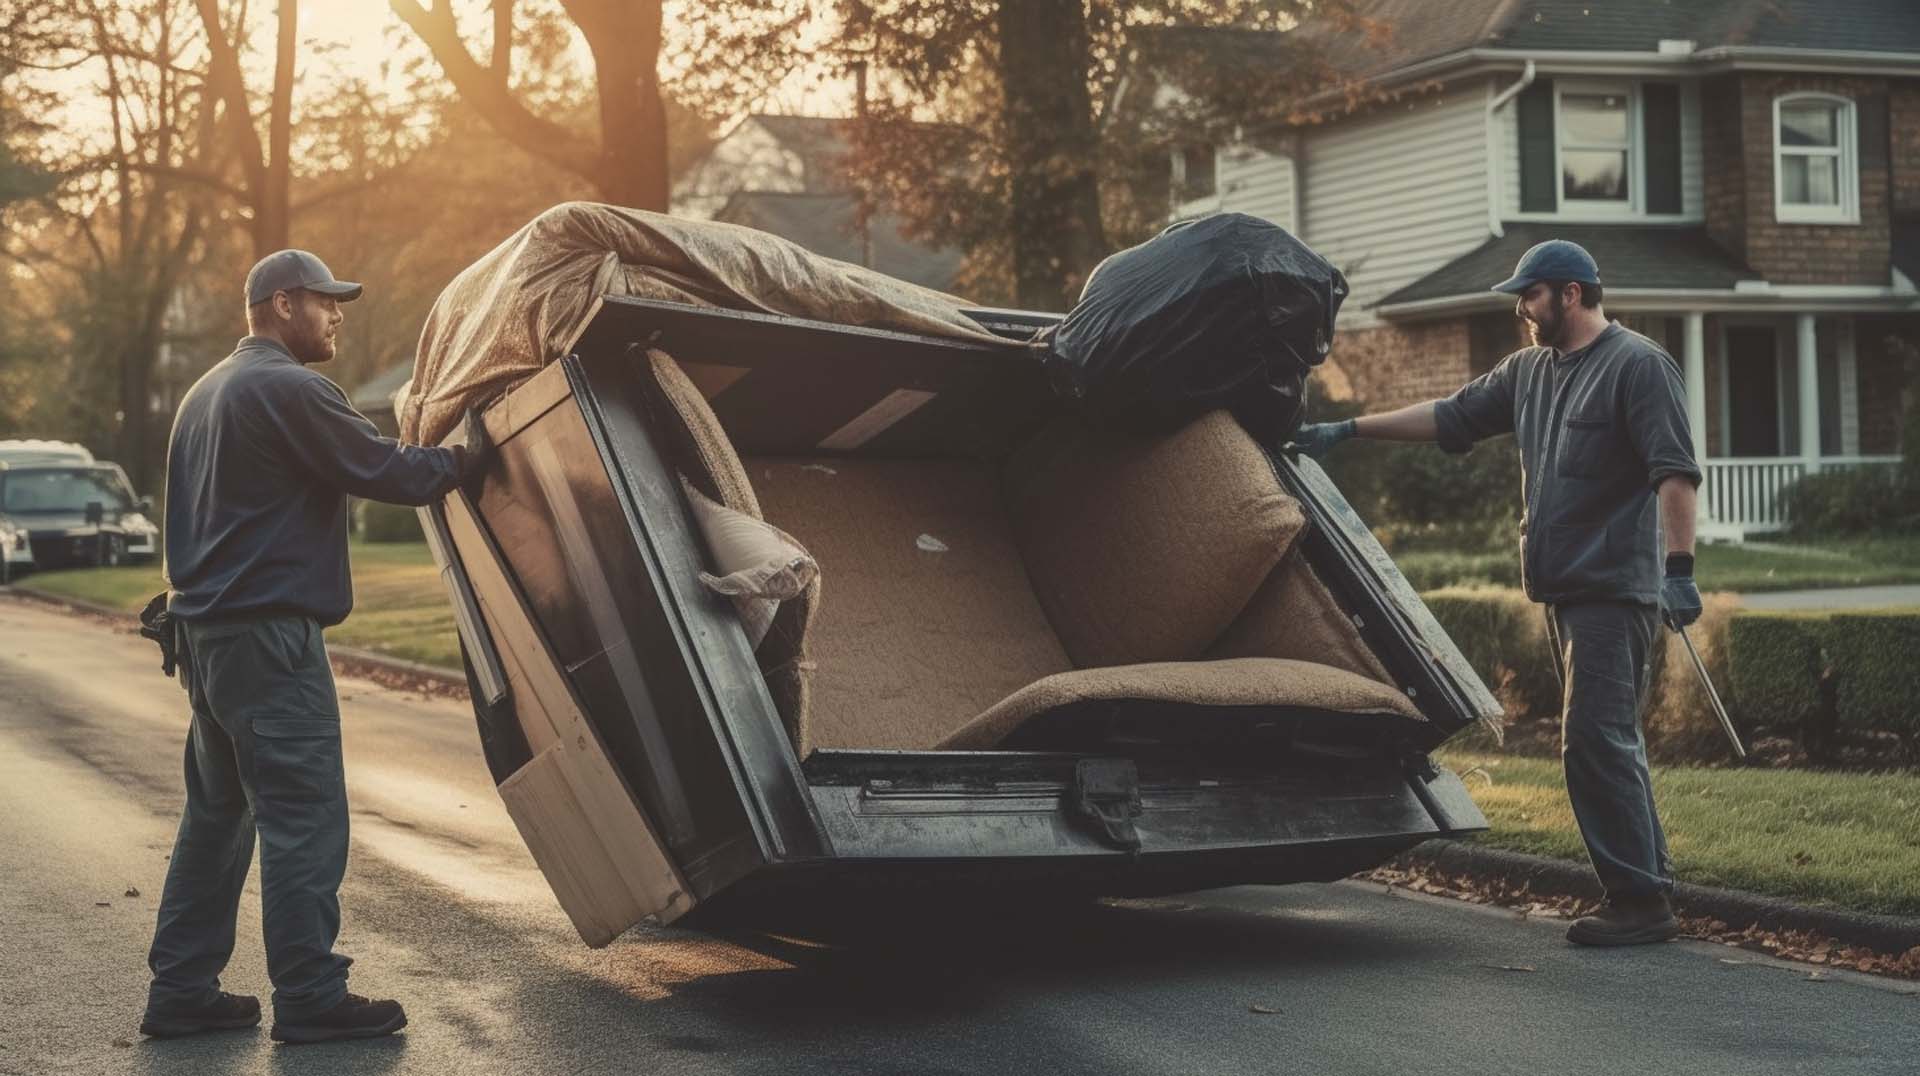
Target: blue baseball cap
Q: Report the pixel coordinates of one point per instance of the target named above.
(286, 270)
(1555, 259)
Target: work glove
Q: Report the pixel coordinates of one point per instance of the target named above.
(156, 623)
(1679, 597)
(1316, 439)
(478, 452)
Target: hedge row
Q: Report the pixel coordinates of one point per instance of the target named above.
(1809, 674)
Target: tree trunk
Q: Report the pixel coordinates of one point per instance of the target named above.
(633, 119)
(1051, 147)
(271, 214)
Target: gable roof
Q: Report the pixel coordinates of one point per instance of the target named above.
(1638, 256)
(827, 224)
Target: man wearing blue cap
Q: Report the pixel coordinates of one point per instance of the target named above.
(263, 456)
(1608, 480)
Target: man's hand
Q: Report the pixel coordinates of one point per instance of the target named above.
(1316, 439)
(477, 453)
(1679, 597)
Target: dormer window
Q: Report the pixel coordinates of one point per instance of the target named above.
(1815, 166)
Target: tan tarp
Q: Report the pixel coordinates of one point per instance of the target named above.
(525, 302)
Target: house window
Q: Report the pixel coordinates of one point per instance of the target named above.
(1815, 172)
(1193, 173)
(1596, 146)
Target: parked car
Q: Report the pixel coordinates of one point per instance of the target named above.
(1048, 660)
(61, 508)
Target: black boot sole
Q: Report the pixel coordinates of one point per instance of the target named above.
(180, 1029)
(307, 1035)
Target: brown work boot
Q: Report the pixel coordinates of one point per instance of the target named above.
(1635, 920)
(354, 1018)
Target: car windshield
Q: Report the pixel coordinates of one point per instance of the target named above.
(65, 489)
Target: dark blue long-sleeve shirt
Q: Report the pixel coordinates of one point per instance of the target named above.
(263, 455)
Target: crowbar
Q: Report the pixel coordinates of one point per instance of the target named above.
(1707, 682)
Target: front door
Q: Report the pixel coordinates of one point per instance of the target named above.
(1753, 391)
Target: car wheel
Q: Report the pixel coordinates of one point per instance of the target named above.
(112, 551)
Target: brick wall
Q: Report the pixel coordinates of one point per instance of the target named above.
(1904, 118)
(1396, 365)
(1796, 253)
(1725, 179)
(1882, 377)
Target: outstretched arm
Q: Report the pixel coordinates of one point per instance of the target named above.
(1414, 422)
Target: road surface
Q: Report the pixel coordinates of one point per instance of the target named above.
(444, 910)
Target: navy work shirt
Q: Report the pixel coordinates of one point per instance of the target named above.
(1599, 429)
(262, 457)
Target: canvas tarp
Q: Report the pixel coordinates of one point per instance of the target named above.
(525, 302)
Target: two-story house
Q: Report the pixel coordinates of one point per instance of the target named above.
(1746, 173)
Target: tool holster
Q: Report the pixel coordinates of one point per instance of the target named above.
(157, 623)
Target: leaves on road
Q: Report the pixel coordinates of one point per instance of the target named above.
(1508, 967)
(133, 891)
(1266, 1010)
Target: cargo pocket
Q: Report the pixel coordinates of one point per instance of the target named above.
(297, 759)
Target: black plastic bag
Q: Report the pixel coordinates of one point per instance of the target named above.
(1224, 311)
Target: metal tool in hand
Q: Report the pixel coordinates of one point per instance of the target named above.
(1707, 682)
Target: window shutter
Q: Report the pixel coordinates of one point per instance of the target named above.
(1871, 112)
(1539, 185)
(1660, 123)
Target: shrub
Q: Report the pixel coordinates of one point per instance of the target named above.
(1415, 496)
(388, 523)
(1857, 500)
(1504, 637)
(1776, 673)
(1876, 662)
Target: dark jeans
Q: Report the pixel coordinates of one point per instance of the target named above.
(1602, 650)
(263, 757)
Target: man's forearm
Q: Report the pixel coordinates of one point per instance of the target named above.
(1411, 423)
(1677, 505)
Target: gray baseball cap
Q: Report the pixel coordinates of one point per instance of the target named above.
(286, 270)
(1555, 259)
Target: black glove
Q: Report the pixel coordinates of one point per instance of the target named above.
(1679, 597)
(156, 623)
(1316, 439)
(478, 452)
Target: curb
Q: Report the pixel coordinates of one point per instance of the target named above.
(351, 658)
(1738, 910)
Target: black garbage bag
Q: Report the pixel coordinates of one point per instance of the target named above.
(1224, 311)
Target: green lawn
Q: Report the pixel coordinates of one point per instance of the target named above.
(400, 606)
(1845, 839)
(1748, 568)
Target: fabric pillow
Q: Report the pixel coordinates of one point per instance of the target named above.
(1144, 549)
(759, 565)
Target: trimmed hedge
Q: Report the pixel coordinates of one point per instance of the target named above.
(1778, 672)
(1876, 665)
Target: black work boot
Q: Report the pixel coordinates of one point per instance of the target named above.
(224, 1013)
(1635, 920)
(354, 1018)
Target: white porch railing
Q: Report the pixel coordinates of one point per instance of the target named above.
(1741, 495)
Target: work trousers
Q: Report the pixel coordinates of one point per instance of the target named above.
(1602, 653)
(263, 757)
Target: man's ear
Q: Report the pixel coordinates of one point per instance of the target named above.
(283, 305)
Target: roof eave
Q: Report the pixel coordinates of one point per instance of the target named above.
(1754, 294)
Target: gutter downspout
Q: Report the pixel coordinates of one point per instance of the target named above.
(1495, 171)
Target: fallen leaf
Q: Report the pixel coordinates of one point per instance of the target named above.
(133, 891)
(1724, 960)
(1816, 977)
(123, 1044)
(1265, 1010)
(102, 904)
(1510, 967)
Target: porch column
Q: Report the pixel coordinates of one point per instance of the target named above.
(1693, 360)
(1809, 395)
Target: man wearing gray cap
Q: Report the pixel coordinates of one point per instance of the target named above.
(1608, 482)
(263, 455)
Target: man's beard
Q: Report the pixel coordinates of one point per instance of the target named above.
(310, 344)
(1551, 330)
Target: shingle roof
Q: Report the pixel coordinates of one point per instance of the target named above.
(1399, 33)
(1638, 256)
(826, 224)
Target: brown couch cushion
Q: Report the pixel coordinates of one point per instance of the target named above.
(1232, 683)
(1145, 549)
(930, 619)
(1294, 615)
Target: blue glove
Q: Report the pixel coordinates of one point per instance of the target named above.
(1679, 597)
(1316, 439)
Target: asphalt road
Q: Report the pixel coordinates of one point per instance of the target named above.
(445, 911)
